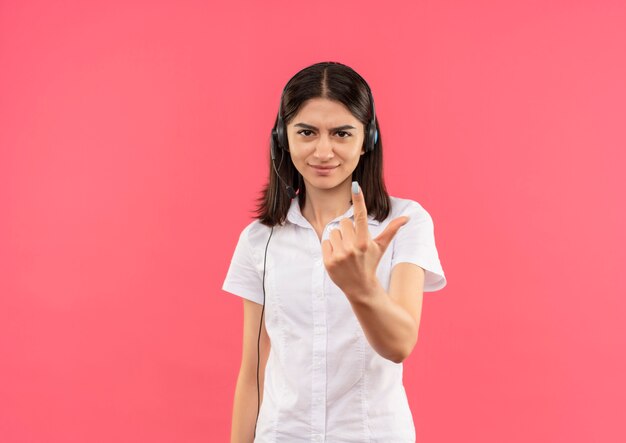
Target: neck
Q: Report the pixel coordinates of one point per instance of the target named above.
(324, 205)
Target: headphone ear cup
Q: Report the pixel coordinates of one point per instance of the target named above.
(372, 138)
(274, 142)
(281, 136)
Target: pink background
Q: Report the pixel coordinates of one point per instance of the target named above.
(133, 144)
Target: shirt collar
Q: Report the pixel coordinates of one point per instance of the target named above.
(294, 215)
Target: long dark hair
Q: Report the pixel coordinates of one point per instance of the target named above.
(334, 81)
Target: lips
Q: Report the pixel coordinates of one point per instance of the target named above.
(323, 167)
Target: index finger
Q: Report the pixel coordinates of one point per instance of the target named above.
(360, 216)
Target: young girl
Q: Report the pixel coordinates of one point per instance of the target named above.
(331, 276)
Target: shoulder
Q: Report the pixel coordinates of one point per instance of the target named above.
(404, 206)
(255, 232)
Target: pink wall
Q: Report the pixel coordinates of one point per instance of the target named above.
(120, 203)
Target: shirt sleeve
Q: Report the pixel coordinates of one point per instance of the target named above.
(415, 243)
(243, 279)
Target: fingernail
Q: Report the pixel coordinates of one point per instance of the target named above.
(355, 187)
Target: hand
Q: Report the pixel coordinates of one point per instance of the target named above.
(351, 256)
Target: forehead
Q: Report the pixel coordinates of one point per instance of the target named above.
(324, 110)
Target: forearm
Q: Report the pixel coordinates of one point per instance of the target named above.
(244, 410)
(389, 328)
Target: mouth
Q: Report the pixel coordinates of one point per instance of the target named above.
(323, 168)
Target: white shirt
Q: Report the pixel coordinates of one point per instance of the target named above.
(323, 380)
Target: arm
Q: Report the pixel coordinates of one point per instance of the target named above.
(351, 256)
(246, 400)
(391, 320)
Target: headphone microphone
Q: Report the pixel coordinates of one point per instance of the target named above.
(292, 194)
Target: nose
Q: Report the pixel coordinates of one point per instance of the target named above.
(324, 148)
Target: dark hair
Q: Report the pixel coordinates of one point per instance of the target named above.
(334, 81)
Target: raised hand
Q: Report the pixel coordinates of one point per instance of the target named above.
(350, 255)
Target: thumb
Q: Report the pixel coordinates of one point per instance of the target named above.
(385, 237)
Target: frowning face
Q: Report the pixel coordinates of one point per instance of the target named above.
(325, 143)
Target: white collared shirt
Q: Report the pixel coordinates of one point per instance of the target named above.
(323, 380)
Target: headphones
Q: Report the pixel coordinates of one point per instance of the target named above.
(279, 139)
(279, 132)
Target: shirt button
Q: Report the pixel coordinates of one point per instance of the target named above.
(318, 437)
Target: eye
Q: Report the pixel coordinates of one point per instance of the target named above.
(303, 131)
(343, 132)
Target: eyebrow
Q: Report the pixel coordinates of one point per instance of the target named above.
(338, 128)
